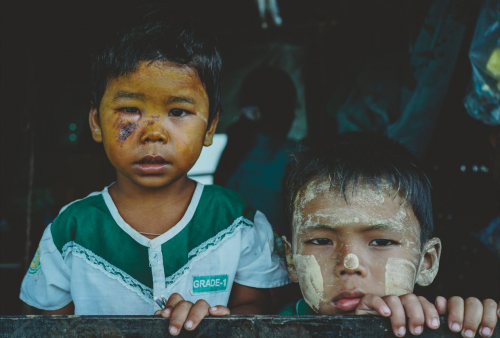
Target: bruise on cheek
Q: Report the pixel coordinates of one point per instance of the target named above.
(310, 279)
(399, 276)
(124, 129)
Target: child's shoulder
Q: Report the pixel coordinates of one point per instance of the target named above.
(79, 217)
(218, 203)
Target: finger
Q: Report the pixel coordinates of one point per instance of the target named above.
(369, 304)
(398, 317)
(219, 311)
(196, 314)
(414, 312)
(178, 317)
(430, 313)
(455, 313)
(473, 313)
(172, 302)
(441, 305)
(489, 320)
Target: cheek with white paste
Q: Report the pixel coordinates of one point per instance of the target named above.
(399, 276)
(310, 279)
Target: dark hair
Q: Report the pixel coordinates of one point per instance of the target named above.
(161, 34)
(352, 158)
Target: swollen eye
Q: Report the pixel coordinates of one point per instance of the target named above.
(382, 242)
(321, 241)
(129, 110)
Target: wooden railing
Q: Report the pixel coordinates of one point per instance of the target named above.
(233, 326)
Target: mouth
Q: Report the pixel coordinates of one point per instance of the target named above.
(152, 165)
(348, 300)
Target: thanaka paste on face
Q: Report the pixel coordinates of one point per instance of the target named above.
(310, 279)
(400, 274)
(351, 261)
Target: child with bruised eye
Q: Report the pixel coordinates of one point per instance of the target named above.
(156, 241)
(360, 237)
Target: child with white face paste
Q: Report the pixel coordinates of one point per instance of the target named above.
(360, 237)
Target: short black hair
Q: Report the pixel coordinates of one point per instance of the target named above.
(160, 34)
(354, 158)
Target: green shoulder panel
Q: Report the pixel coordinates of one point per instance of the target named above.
(220, 212)
(88, 226)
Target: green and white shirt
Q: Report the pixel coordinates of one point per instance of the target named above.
(90, 256)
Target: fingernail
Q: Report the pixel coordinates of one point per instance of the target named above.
(455, 327)
(435, 322)
(173, 330)
(401, 331)
(166, 312)
(486, 331)
(418, 330)
(189, 324)
(386, 310)
(469, 333)
(214, 308)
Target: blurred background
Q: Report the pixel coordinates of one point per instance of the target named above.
(296, 72)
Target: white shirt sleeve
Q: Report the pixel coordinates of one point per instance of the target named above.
(259, 265)
(46, 285)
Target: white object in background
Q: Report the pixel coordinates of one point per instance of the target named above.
(204, 168)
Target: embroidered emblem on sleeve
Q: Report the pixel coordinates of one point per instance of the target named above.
(35, 263)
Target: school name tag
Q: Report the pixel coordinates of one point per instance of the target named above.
(209, 284)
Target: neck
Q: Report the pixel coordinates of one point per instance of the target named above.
(129, 193)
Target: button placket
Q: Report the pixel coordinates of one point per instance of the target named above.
(158, 272)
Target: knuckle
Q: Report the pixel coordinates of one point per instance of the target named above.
(489, 303)
(455, 315)
(201, 301)
(392, 299)
(456, 299)
(472, 301)
(470, 323)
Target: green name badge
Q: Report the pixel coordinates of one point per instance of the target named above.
(209, 284)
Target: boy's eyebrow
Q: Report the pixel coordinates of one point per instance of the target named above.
(369, 227)
(128, 95)
(181, 99)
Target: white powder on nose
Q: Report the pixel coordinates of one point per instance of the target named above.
(310, 279)
(399, 276)
(351, 261)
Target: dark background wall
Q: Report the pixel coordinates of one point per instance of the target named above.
(48, 158)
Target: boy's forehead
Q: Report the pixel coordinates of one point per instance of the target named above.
(159, 76)
(317, 203)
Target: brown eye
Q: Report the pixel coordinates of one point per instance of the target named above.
(320, 241)
(178, 112)
(129, 110)
(382, 242)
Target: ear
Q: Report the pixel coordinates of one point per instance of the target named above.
(290, 265)
(429, 263)
(209, 136)
(95, 125)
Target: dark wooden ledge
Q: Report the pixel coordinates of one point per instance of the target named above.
(233, 326)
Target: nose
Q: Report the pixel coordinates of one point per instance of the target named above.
(154, 132)
(350, 264)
